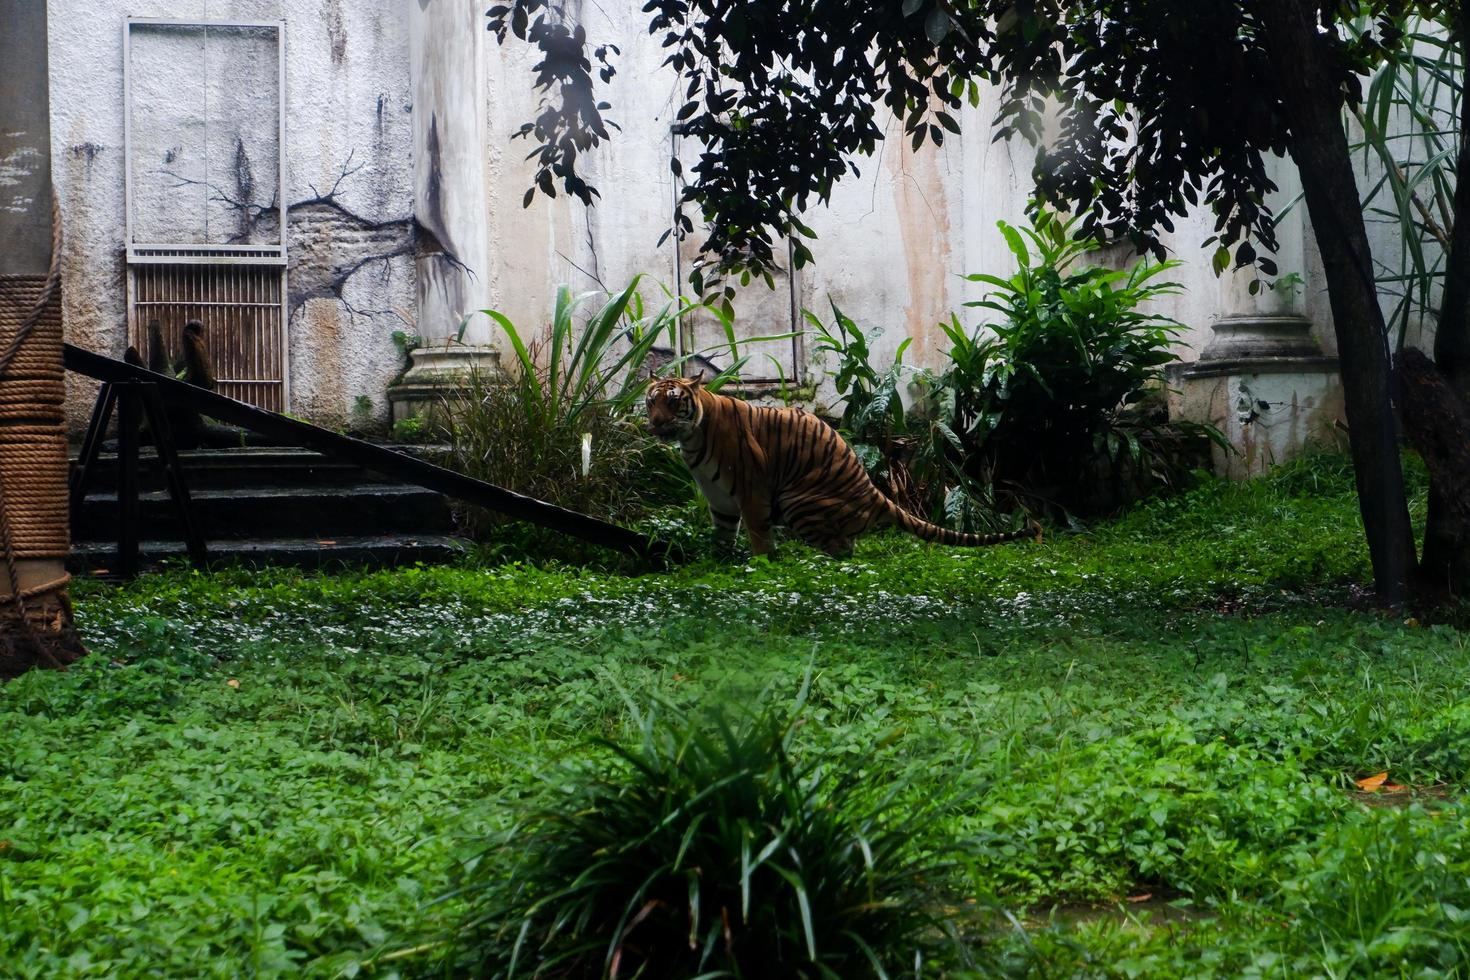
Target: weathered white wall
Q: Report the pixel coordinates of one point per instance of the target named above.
(559, 241)
(349, 181)
(206, 169)
(446, 44)
(893, 244)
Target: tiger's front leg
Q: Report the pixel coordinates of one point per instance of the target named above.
(726, 525)
(724, 509)
(757, 517)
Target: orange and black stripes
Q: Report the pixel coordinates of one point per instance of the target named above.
(767, 466)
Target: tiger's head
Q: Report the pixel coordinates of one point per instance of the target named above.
(673, 406)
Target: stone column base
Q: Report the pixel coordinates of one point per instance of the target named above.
(436, 376)
(1265, 383)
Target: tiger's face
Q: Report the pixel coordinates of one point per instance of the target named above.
(673, 407)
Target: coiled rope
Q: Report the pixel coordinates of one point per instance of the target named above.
(33, 467)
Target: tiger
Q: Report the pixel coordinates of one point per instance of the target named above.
(782, 466)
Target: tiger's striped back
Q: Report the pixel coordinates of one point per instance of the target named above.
(769, 466)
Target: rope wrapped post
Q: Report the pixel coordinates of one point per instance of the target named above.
(36, 626)
(35, 616)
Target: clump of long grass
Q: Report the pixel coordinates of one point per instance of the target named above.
(711, 849)
(562, 424)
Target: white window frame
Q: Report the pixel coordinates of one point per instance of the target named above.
(181, 253)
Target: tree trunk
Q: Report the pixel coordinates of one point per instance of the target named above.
(35, 614)
(1436, 420)
(1446, 564)
(1306, 83)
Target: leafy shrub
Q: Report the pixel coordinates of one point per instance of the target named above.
(1054, 404)
(1032, 404)
(411, 430)
(562, 426)
(903, 452)
(1045, 396)
(709, 850)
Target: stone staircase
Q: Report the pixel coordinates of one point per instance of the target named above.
(269, 506)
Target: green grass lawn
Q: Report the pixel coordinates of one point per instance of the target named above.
(264, 774)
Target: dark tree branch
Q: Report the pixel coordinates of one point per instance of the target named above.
(1452, 335)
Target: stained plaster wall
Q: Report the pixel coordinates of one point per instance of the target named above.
(894, 243)
(350, 232)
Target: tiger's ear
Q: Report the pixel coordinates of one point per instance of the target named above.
(698, 380)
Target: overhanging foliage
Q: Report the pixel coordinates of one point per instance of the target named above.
(1140, 109)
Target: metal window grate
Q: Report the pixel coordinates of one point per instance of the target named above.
(241, 309)
(215, 254)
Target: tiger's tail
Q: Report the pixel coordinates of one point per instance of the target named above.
(943, 535)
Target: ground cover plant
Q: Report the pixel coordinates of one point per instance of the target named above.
(1148, 739)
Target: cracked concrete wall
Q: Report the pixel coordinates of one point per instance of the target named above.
(348, 183)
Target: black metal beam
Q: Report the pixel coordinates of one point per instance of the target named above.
(91, 448)
(399, 466)
(129, 418)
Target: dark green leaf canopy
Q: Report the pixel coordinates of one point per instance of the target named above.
(1140, 109)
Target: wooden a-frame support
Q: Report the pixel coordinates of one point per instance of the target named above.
(134, 401)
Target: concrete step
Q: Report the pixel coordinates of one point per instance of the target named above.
(261, 505)
(277, 512)
(376, 551)
(239, 468)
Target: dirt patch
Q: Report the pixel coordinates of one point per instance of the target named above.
(1144, 910)
(1437, 795)
(1141, 912)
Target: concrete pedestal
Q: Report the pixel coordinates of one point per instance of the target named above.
(1265, 383)
(438, 376)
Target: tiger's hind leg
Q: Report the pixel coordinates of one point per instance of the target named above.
(827, 529)
(816, 531)
(836, 547)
